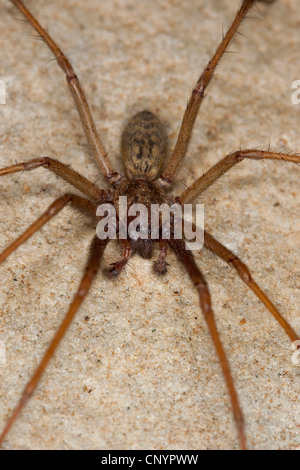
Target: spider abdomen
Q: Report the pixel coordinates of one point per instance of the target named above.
(143, 146)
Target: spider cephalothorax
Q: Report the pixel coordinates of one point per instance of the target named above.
(143, 148)
(148, 176)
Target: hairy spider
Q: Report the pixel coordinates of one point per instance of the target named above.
(117, 186)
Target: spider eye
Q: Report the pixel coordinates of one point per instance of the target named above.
(143, 146)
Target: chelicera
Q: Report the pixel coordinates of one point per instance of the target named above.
(147, 180)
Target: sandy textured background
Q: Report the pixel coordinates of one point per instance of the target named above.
(137, 368)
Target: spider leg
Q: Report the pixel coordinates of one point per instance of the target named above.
(160, 265)
(119, 265)
(78, 94)
(91, 269)
(197, 96)
(230, 258)
(66, 173)
(76, 201)
(199, 282)
(216, 171)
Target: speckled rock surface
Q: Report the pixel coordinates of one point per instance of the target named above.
(137, 369)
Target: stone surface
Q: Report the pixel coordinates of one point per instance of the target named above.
(137, 369)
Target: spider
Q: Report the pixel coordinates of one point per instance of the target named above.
(115, 182)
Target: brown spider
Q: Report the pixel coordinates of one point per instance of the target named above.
(118, 185)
